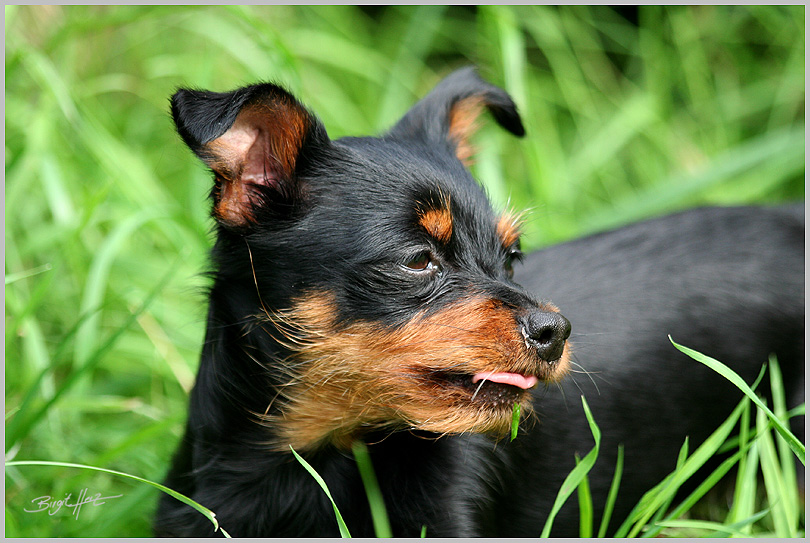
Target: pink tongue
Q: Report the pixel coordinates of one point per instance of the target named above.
(514, 379)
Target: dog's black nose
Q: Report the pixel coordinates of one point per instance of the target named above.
(546, 332)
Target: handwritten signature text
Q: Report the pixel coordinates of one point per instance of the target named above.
(52, 506)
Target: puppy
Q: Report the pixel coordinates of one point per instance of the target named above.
(365, 289)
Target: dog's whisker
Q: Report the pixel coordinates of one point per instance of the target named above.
(483, 380)
(588, 373)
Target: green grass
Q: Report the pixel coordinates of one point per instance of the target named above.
(107, 226)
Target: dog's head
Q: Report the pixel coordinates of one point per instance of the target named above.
(377, 264)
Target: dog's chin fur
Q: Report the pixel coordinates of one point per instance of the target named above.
(363, 290)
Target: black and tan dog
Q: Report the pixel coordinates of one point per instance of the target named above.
(364, 290)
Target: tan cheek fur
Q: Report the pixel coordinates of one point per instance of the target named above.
(346, 380)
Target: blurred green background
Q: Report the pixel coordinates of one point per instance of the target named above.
(630, 113)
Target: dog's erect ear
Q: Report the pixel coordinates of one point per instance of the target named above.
(252, 139)
(449, 112)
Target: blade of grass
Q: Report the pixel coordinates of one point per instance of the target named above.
(14, 277)
(787, 467)
(742, 507)
(652, 500)
(775, 488)
(141, 438)
(34, 301)
(744, 526)
(780, 151)
(714, 526)
(515, 421)
(420, 26)
(573, 479)
(98, 277)
(698, 493)
(746, 488)
(13, 430)
(670, 493)
(728, 373)
(338, 52)
(644, 503)
(714, 477)
(585, 507)
(26, 424)
(379, 515)
(513, 54)
(612, 493)
(344, 530)
(210, 515)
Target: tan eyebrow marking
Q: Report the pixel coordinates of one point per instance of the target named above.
(508, 228)
(438, 223)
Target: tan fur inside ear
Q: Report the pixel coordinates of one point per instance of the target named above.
(463, 124)
(260, 148)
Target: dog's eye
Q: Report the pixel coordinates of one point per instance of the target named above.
(514, 255)
(421, 262)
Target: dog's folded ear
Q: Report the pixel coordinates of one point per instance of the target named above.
(449, 112)
(252, 139)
